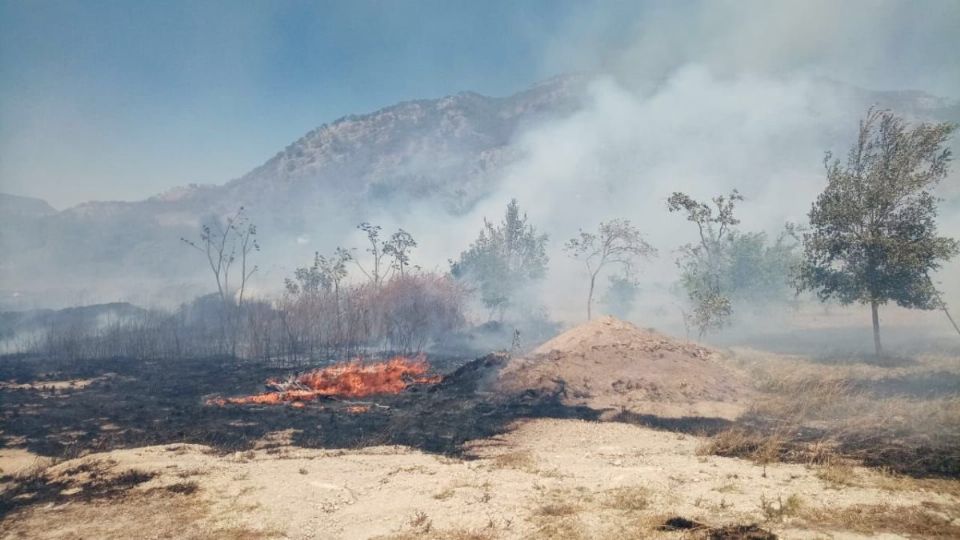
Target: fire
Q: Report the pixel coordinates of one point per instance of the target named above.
(348, 379)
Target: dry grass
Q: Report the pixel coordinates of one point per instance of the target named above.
(821, 414)
(444, 494)
(444, 534)
(557, 508)
(872, 519)
(567, 528)
(627, 499)
(522, 461)
(890, 481)
(173, 511)
(780, 508)
(838, 476)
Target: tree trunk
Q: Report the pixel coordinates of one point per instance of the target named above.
(876, 328)
(947, 313)
(593, 281)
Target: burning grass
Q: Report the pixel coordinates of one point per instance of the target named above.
(347, 379)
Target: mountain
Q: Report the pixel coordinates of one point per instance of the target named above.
(446, 153)
(14, 207)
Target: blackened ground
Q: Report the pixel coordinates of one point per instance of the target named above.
(138, 403)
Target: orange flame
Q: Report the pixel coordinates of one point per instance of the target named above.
(348, 379)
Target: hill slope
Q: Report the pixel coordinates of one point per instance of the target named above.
(446, 154)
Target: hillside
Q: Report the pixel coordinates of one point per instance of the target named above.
(447, 153)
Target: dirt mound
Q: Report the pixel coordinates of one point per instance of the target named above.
(611, 364)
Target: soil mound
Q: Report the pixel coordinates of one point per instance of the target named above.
(612, 364)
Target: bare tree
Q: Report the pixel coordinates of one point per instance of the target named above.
(378, 250)
(224, 244)
(617, 242)
(399, 248)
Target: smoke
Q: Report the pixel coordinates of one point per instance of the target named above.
(699, 97)
(704, 98)
(882, 44)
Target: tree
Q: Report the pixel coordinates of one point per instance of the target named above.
(727, 267)
(399, 247)
(621, 295)
(224, 243)
(617, 242)
(873, 232)
(701, 264)
(377, 250)
(504, 258)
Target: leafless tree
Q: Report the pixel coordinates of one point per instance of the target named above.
(378, 250)
(616, 242)
(224, 244)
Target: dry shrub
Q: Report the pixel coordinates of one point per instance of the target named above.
(404, 314)
(838, 476)
(564, 528)
(891, 481)
(820, 414)
(741, 442)
(183, 488)
(522, 461)
(85, 481)
(128, 515)
(872, 519)
(442, 534)
(416, 309)
(776, 510)
(556, 509)
(629, 499)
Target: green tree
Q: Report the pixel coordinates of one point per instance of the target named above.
(727, 267)
(616, 242)
(873, 232)
(504, 258)
(702, 265)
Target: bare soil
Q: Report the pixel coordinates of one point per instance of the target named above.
(609, 364)
(608, 431)
(542, 479)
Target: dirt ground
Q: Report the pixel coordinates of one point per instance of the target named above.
(608, 432)
(544, 479)
(610, 364)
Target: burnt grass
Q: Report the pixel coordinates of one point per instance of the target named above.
(140, 403)
(134, 403)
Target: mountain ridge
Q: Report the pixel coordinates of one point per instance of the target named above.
(448, 153)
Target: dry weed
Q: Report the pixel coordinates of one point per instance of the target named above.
(838, 476)
(872, 519)
(627, 499)
(777, 510)
(523, 461)
(826, 414)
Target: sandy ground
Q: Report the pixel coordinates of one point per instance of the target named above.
(612, 365)
(544, 479)
(53, 384)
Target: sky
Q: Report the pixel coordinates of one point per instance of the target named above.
(120, 100)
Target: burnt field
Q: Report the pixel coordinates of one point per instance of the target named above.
(903, 416)
(817, 445)
(64, 409)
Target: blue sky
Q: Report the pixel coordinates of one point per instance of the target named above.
(123, 99)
